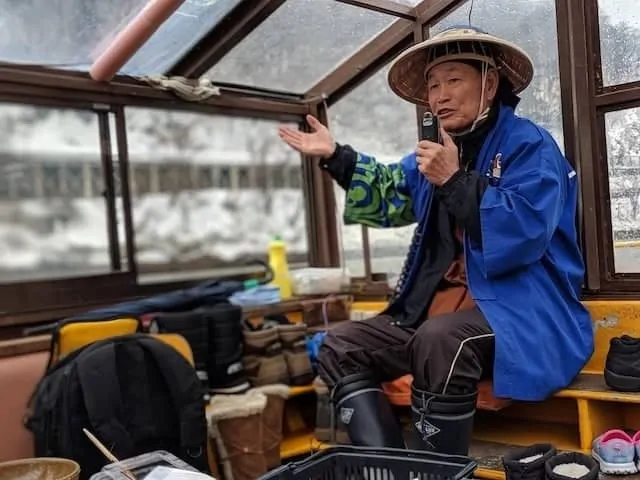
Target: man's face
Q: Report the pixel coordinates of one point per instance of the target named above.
(455, 90)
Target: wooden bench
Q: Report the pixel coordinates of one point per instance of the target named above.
(589, 386)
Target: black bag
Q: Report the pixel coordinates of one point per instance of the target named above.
(135, 393)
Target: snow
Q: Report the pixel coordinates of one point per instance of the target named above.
(226, 225)
(69, 236)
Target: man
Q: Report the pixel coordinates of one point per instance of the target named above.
(492, 280)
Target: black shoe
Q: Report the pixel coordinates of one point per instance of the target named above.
(622, 367)
(443, 423)
(225, 369)
(363, 408)
(565, 466)
(528, 463)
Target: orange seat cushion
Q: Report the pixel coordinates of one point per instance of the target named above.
(399, 393)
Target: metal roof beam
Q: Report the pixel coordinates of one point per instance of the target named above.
(366, 61)
(231, 30)
(385, 6)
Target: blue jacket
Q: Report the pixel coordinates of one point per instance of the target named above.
(526, 273)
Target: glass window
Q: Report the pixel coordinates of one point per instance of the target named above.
(190, 23)
(224, 177)
(96, 180)
(277, 176)
(141, 179)
(50, 224)
(623, 158)
(203, 226)
(362, 119)
(295, 176)
(64, 33)
(531, 25)
(72, 33)
(298, 44)
(204, 176)
(261, 175)
(51, 179)
(244, 177)
(175, 177)
(74, 176)
(619, 39)
(24, 182)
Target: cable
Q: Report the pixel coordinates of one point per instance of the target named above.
(336, 211)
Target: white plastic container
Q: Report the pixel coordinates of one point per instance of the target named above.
(144, 466)
(319, 281)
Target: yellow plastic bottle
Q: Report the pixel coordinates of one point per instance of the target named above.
(278, 263)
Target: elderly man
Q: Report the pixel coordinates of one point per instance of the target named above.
(492, 280)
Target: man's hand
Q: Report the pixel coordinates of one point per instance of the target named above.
(317, 143)
(438, 162)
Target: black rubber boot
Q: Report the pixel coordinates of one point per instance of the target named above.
(528, 463)
(225, 339)
(193, 327)
(443, 422)
(568, 466)
(363, 408)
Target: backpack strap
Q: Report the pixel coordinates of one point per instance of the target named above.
(185, 391)
(98, 377)
(42, 396)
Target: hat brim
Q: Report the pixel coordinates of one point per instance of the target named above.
(406, 75)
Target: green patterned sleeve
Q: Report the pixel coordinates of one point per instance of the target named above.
(378, 195)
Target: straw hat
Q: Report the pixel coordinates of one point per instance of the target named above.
(408, 72)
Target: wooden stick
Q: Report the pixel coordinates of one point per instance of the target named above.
(105, 451)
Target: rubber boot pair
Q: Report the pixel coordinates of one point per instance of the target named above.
(442, 423)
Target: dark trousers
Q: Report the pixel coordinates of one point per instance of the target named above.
(447, 354)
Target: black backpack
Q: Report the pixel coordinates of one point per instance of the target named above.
(135, 393)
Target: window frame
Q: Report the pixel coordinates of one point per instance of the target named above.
(585, 101)
(28, 302)
(581, 74)
(31, 298)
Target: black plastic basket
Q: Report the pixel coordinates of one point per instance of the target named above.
(363, 463)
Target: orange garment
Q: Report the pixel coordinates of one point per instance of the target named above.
(452, 295)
